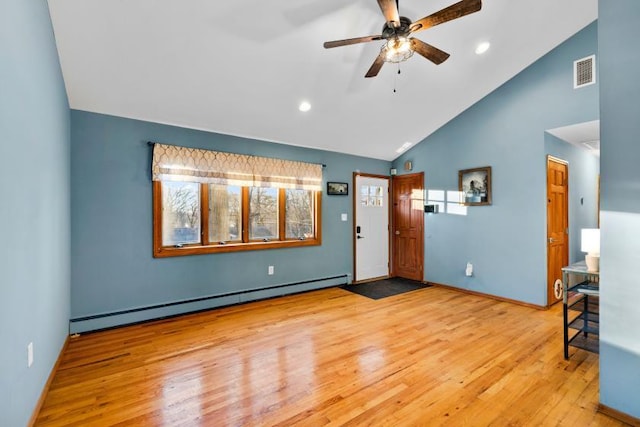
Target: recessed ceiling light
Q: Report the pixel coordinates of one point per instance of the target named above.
(403, 147)
(482, 48)
(304, 106)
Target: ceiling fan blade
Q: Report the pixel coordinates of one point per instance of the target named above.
(457, 10)
(346, 42)
(432, 53)
(375, 67)
(389, 9)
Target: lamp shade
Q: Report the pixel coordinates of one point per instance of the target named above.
(590, 240)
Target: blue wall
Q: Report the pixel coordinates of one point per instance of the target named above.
(111, 232)
(34, 206)
(506, 241)
(620, 218)
(584, 169)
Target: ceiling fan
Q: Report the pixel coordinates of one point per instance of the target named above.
(397, 29)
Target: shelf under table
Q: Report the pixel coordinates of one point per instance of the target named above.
(590, 342)
(592, 326)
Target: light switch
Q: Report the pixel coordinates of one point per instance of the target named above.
(343, 216)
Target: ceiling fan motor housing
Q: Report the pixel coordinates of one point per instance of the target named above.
(389, 31)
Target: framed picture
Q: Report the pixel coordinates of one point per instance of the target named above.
(337, 188)
(475, 186)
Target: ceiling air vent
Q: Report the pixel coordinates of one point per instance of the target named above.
(592, 145)
(584, 72)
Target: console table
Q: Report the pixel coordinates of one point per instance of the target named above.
(581, 308)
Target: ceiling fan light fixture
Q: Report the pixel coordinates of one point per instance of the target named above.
(397, 49)
(396, 30)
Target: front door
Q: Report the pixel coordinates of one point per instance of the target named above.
(371, 228)
(408, 226)
(557, 226)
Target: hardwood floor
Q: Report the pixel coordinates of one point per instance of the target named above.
(331, 357)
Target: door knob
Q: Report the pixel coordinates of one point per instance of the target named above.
(397, 232)
(359, 237)
(552, 240)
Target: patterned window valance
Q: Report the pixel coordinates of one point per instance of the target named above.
(173, 163)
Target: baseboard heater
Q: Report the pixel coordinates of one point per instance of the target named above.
(157, 311)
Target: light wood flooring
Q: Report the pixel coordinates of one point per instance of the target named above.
(330, 357)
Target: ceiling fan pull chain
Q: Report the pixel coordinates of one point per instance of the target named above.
(395, 79)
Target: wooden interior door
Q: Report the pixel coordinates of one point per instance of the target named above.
(408, 226)
(557, 224)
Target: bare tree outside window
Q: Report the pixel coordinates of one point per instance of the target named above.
(181, 213)
(263, 213)
(299, 214)
(225, 213)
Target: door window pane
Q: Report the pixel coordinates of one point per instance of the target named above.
(225, 213)
(299, 214)
(180, 213)
(263, 213)
(364, 195)
(371, 195)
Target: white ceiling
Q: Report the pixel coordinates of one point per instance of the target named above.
(584, 135)
(242, 67)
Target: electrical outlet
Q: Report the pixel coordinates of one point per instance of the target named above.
(29, 354)
(271, 270)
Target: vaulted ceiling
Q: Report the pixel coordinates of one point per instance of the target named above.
(242, 67)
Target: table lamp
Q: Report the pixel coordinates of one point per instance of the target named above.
(591, 245)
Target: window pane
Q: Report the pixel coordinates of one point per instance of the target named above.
(263, 213)
(299, 214)
(225, 213)
(371, 196)
(180, 213)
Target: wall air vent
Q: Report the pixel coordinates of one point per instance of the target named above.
(584, 72)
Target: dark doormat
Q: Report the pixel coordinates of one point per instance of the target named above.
(385, 287)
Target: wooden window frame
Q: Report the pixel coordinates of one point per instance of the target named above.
(206, 247)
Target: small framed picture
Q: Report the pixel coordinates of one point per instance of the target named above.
(475, 186)
(337, 188)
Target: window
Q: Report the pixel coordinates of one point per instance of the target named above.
(225, 213)
(300, 213)
(235, 218)
(263, 213)
(371, 196)
(181, 213)
(261, 204)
